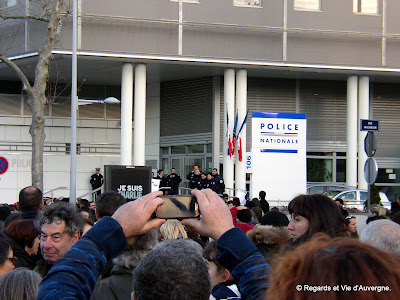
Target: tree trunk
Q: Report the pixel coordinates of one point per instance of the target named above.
(37, 100)
(37, 133)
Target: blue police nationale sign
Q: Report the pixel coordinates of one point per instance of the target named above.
(369, 125)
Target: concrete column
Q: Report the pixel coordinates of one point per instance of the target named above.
(229, 99)
(363, 113)
(216, 120)
(139, 116)
(241, 106)
(126, 114)
(351, 139)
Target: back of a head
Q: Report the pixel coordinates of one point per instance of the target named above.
(322, 212)
(133, 254)
(340, 200)
(236, 201)
(262, 194)
(20, 283)
(30, 199)
(108, 202)
(275, 218)
(174, 269)
(244, 215)
(384, 235)
(172, 229)
(61, 212)
(22, 232)
(346, 262)
(379, 210)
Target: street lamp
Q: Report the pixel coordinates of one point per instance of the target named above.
(108, 100)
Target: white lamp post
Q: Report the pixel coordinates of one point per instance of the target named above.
(109, 100)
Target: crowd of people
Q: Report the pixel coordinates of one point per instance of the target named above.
(233, 251)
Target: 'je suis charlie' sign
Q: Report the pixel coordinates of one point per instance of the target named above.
(279, 155)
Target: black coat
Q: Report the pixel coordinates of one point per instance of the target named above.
(173, 181)
(24, 260)
(217, 184)
(264, 205)
(96, 180)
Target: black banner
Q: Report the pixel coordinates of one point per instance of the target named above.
(130, 181)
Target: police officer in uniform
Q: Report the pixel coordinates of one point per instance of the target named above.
(217, 182)
(173, 181)
(191, 174)
(196, 181)
(96, 180)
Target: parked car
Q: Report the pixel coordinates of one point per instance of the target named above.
(356, 198)
(320, 188)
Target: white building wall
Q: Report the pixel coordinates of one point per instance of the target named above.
(91, 134)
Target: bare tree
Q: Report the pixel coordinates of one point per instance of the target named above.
(53, 13)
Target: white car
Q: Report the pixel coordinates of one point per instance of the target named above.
(356, 198)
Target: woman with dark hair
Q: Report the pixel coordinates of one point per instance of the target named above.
(25, 238)
(335, 269)
(314, 213)
(7, 258)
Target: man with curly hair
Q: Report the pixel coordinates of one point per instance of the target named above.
(60, 226)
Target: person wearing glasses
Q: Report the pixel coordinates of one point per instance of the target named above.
(7, 259)
(25, 242)
(351, 228)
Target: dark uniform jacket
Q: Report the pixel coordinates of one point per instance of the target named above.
(217, 184)
(96, 180)
(173, 181)
(196, 182)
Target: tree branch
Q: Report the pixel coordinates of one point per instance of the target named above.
(21, 75)
(25, 18)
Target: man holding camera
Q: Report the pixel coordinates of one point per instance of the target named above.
(75, 274)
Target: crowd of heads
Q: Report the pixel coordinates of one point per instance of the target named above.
(173, 259)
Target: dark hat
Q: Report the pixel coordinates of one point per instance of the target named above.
(275, 218)
(98, 169)
(244, 215)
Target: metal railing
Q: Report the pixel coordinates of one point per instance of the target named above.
(55, 189)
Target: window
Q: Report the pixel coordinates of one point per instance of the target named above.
(366, 6)
(196, 148)
(253, 3)
(349, 196)
(11, 3)
(313, 5)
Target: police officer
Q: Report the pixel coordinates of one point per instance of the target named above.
(196, 181)
(163, 181)
(173, 181)
(96, 180)
(207, 183)
(217, 182)
(191, 174)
